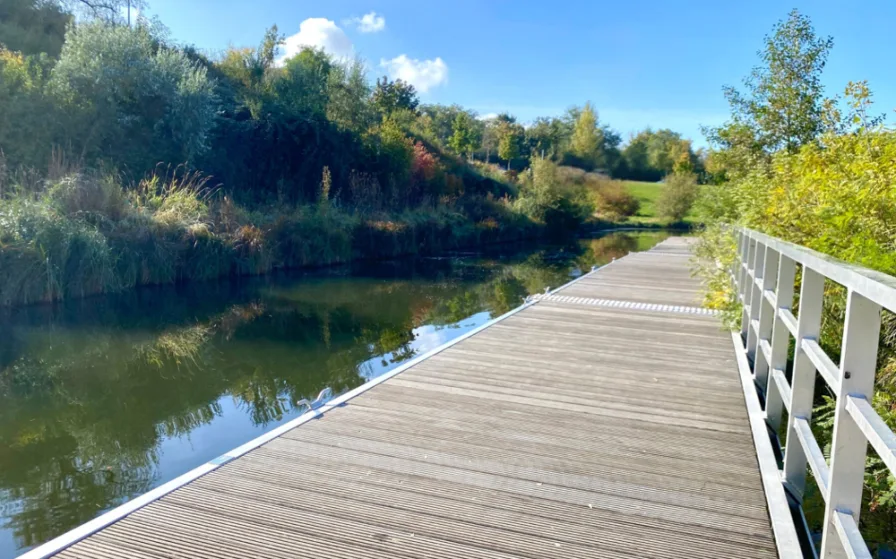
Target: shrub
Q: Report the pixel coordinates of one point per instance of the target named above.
(544, 197)
(48, 256)
(87, 195)
(130, 100)
(678, 195)
(614, 201)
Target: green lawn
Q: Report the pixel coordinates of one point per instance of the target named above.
(647, 194)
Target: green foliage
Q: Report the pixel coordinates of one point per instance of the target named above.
(32, 27)
(464, 139)
(585, 139)
(678, 195)
(544, 196)
(26, 118)
(392, 96)
(510, 136)
(303, 88)
(614, 201)
(782, 107)
(131, 100)
(800, 169)
(651, 155)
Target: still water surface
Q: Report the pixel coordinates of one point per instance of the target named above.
(104, 399)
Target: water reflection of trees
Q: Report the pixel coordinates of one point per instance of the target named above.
(89, 390)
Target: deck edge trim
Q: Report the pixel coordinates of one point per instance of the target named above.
(70, 538)
(783, 528)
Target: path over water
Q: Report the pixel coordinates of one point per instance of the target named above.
(604, 420)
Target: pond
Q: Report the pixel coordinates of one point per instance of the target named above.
(105, 398)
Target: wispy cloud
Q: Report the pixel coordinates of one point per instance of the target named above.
(368, 23)
(319, 33)
(422, 74)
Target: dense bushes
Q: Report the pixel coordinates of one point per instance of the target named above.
(821, 177)
(85, 234)
(123, 97)
(679, 192)
(543, 196)
(283, 163)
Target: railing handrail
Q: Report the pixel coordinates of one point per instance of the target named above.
(874, 285)
(764, 277)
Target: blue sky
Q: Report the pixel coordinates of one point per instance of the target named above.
(642, 63)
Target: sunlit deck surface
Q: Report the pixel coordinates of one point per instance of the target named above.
(577, 427)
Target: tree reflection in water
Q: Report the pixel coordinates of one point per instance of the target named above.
(103, 399)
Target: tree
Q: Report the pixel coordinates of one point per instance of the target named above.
(130, 101)
(651, 155)
(391, 96)
(248, 71)
(783, 99)
(464, 139)
(32, 26)
(510, 135)
(586, 137)
(678, 195)
(349, 96)
(110, 11)
(546, 136)
(303, 86)
(490, 137)
(25, 134)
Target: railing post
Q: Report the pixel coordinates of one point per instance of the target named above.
(803, 383)
(767, 313)
(780, 339)
(738, 268)
(746, 283)
(858, 361)
(755, 299)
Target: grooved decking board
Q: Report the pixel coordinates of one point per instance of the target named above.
(565, 430)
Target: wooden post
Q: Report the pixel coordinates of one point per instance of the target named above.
(858, 362)
(780, 339)
(803, 383)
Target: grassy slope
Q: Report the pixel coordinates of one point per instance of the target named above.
(647, 194)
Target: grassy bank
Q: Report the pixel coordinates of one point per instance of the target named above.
(86, 234)
(648, 194)
(626, 204)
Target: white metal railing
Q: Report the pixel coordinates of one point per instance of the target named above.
(764, 276)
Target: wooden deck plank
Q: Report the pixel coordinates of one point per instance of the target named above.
(567, 430)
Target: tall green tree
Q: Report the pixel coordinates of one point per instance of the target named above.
(546, 136)
(349, 104)
(490, 137)
(302, 88)
(391, 96)
(464, 140)
(782, 102)
(510, 136)
(586, 137)
(33, 26)
(127, 100)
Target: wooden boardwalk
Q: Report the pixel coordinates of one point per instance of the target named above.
(606, 420)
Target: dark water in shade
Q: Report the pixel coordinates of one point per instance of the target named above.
(104, 399)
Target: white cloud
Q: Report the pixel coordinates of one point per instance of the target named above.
(320, 33)
(488, 116)
(369, 23)
(422, 74)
